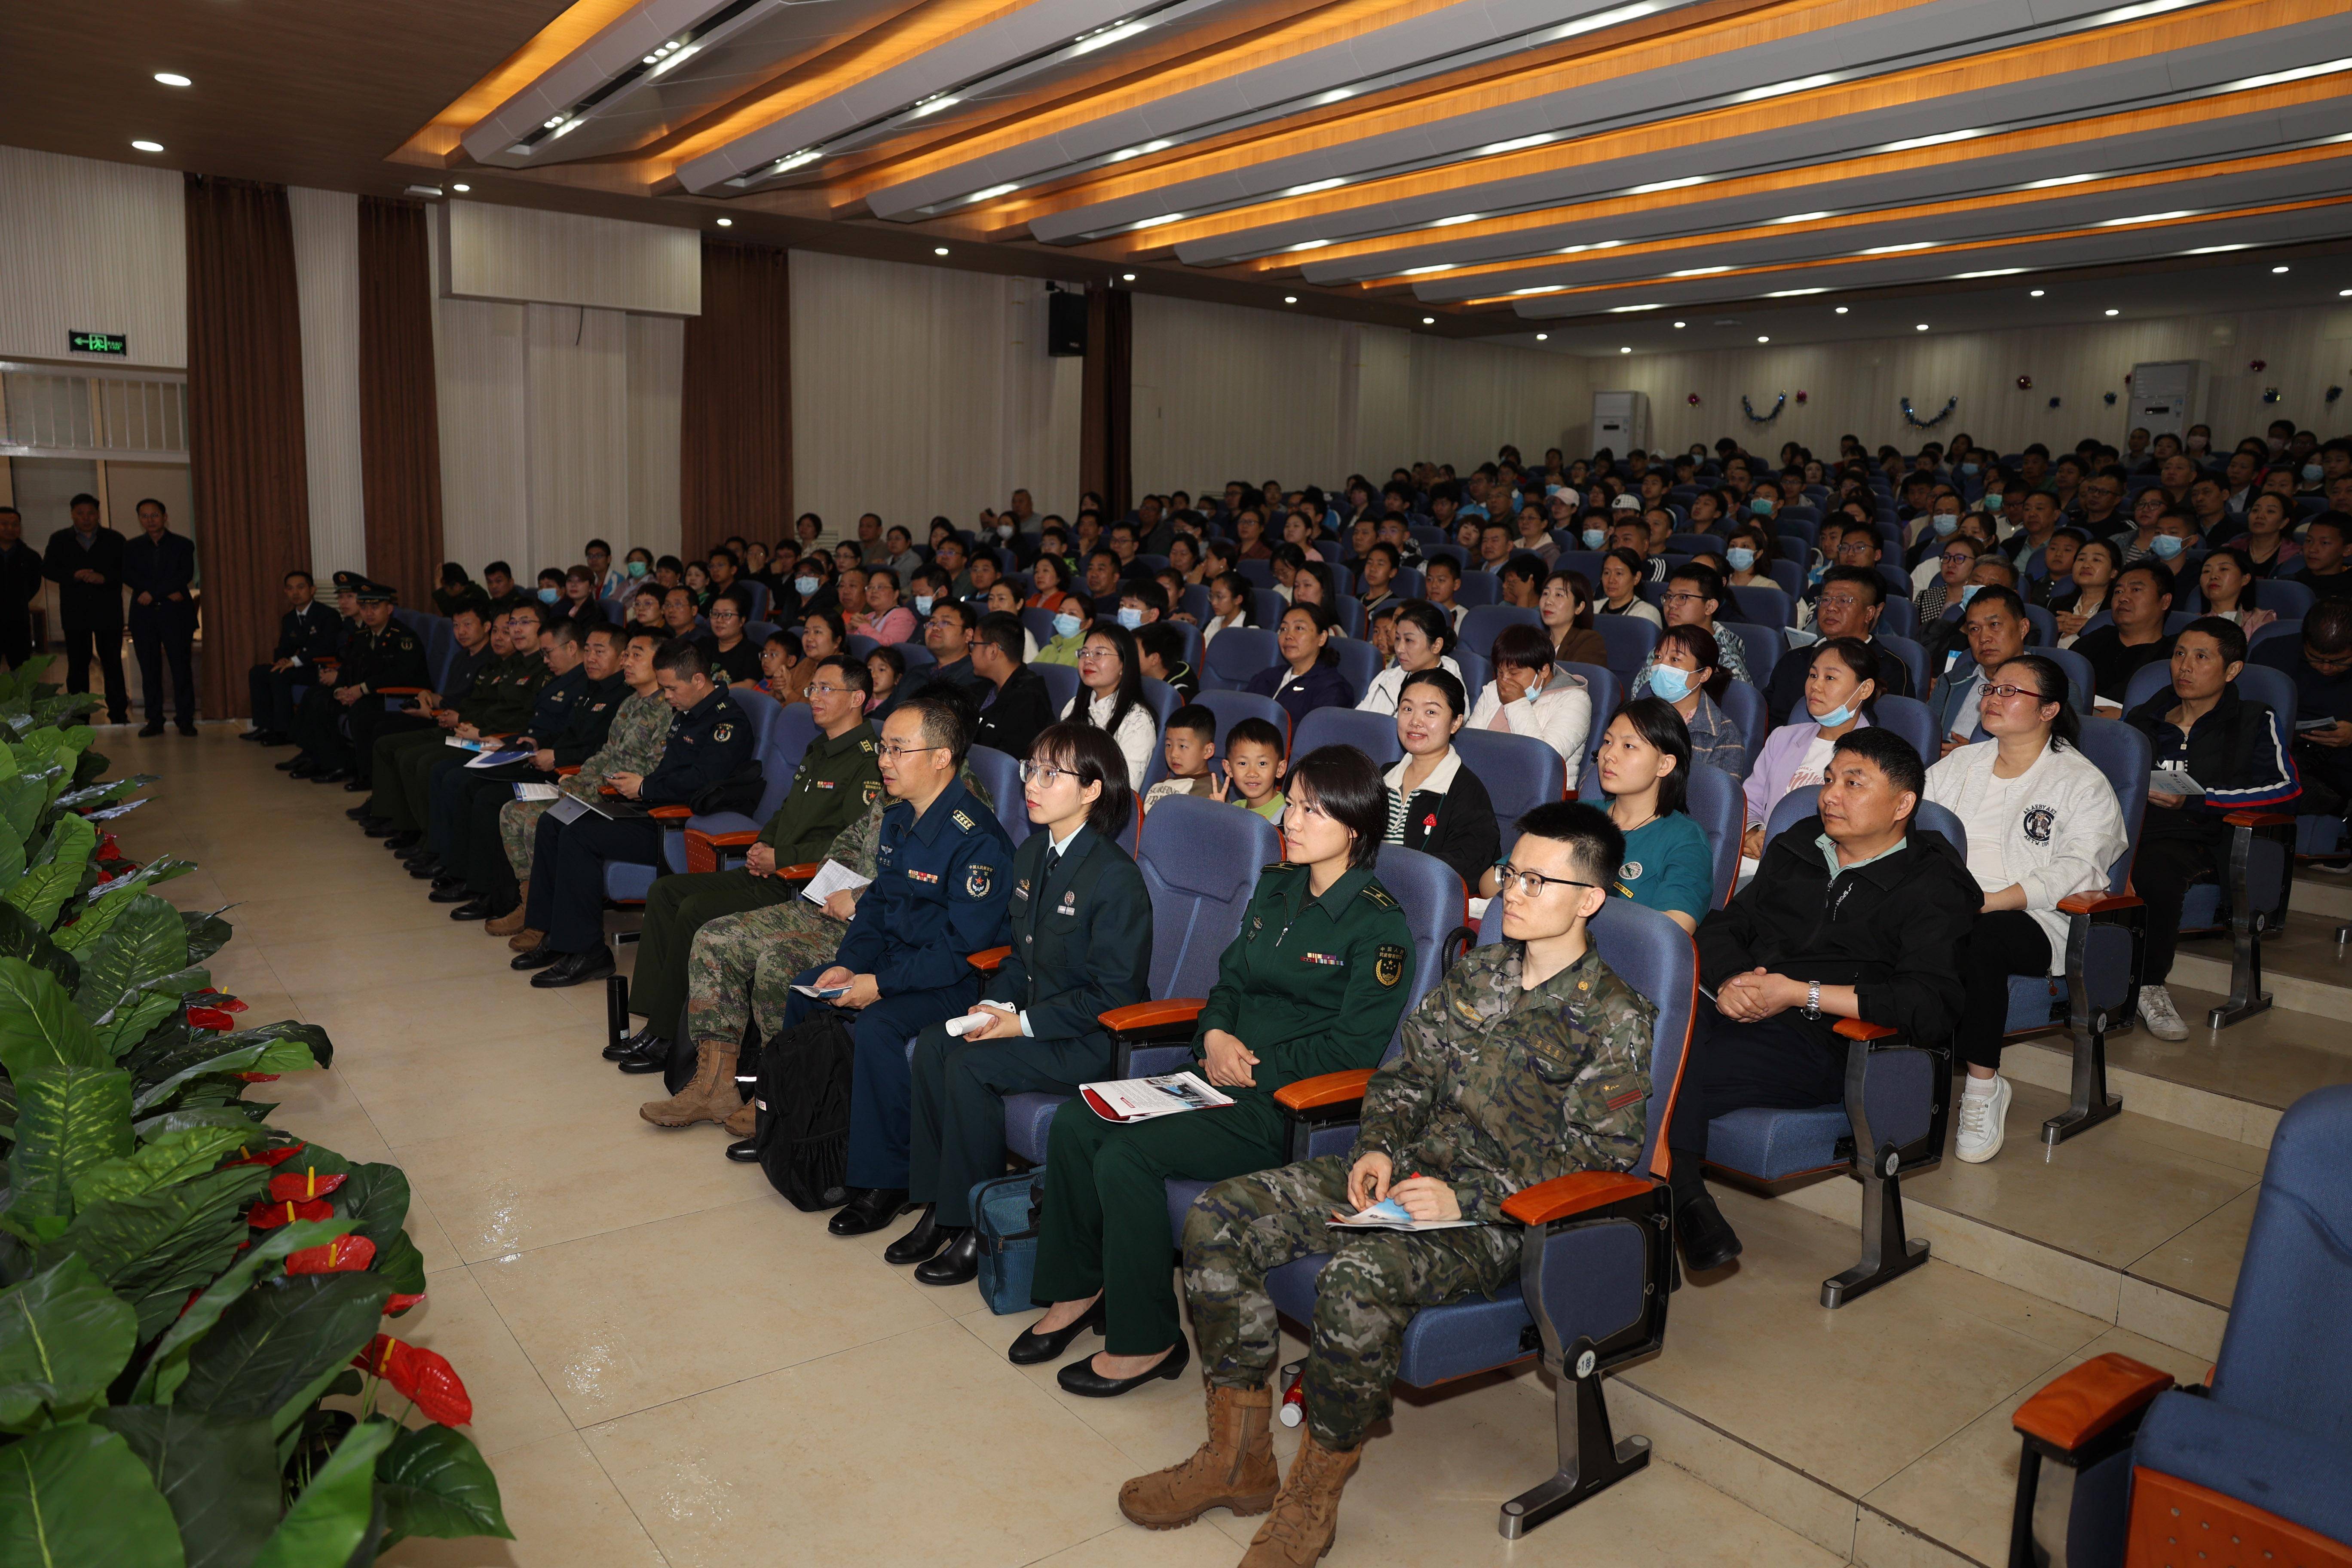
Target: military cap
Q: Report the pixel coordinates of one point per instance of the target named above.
(371, 592)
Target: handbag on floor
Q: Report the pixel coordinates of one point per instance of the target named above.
(802, 1127)
(1005, 1213)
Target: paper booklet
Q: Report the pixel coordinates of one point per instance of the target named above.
(499, 759)
(2173, 781)
(536, 792)
(1389, 1215)
(465, 745)
(1141, 1098)
(832, 877)
(827, 994)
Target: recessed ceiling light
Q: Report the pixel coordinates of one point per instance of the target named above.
(1127, 277)
(723, 223)
(1290, 299)
(172, 79)
(1762, 339)
(2114, 312)
(1842, 310)
(1678, 324)
(1429, 320)
(2276, 270)
(1545, 337)
(461, 190)
(1921, 327)
(2034, 293)
(148, 146)
(938, 250)
(2344, 293)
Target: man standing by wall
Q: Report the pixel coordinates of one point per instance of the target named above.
(85, 562)
(21, 577)
(158, 567)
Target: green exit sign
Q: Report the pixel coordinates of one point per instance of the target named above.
(97, 343)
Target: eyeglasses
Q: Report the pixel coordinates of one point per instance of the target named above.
(1032, 772)
(1840, 602)
(894, 752)
(1959, 556)
(1096, 654)
(1530, 884)
(2004, 693)
(825, 691)
(1671, 598)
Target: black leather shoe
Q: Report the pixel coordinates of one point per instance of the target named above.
(744, 1151)
(273, 738)
(444, 880)
(298, 765)
(154, 729)
(957, 1263)
(332, 776)
(617, 1049)
(1030, 1347)
(356, 786)
(538, 957)
(358, 812)
(425, 868)
(868, 1211)
(575, 969)
(255, 734)
(651, 1056)
(377, 827)
(1708, 1240)
(401, 842)
(187, 729)
(919, 1243)
(455, 893)
(1080, 1377)
(472, 910)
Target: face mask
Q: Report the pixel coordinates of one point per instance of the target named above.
(1968, 467)
(2166, 546)
(2311, 473)
(1594, 538)
(1668, 683)
(1130, 617)
(1992, 500)
(1552, 489)
(1968, 592)
(550, 596)
(1066, 625)
(923, 602)
(1817, 573)
(1842, 713)
(805, 587)
(636, 568)
(1740, 557)
(1004, 531)
(1761, 506)
(1946, 524)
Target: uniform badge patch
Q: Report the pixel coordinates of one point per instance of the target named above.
(960, 820)
(873, 791)
(930, 877)
(724, 733)
(1388, 966)
(821, 784)
(1631, 871)
(1020, 888)
(977, 881)
(2039, 821)
(1328, 960)
(1617, 1093)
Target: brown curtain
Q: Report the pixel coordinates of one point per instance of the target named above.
(400, 429)
(1106, 434)
(246, 474)
(735, 436)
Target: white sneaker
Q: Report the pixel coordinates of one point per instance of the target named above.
(2156, 1011)
(1984, 1121)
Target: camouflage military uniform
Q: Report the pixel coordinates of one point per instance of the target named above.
(632, 745)
(1497, 1089)
(741, 967)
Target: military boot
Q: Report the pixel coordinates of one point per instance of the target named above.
(711, 1096)
(1233, 1469)
(511, 922)
(744, 1122)
(1306, 1515)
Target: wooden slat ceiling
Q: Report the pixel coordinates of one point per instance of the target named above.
(1482, 167)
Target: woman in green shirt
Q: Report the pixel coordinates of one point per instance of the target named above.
(1645, 758)
(1314, 983)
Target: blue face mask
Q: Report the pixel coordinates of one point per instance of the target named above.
(1595, 538)
(1969, 592)
(1066, 625)
(805, 587)
(1968, 467)
(1841, 714)
(1740, 557)
(636, 568)
(1668, 683)
(1946, 524)
(550, 596)
(1761, 506)
(1818, 573)
(2310, 472)
(2166, 546)
(1552, 489)
(1129, 617)
(923, 602)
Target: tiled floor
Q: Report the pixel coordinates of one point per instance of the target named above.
(669, 1365)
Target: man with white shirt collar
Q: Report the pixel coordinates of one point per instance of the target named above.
(1995, 627)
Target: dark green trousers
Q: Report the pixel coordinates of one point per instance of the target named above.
(958, 1137)
(676, 908)
(1105, 1227)
(390, 771)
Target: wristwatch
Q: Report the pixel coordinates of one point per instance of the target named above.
(1813, 999)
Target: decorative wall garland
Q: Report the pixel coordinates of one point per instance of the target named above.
(1755, 418)
(1912, 420)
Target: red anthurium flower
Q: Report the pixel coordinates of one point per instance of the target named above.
(268, 1156)
(107, 848)
(269, 1217)
(210, 1018)
(344, 1254)
(307, 1184)
(257, 1076)
(399, 1304)
(424, 1376)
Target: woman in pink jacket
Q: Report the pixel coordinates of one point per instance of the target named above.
(1840, 691)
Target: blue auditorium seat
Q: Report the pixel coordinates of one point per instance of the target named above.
(1238, 654)
(1374, 734)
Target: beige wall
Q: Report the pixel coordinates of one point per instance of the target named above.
(521, 256)
(918, 392)
(1858, 387)
(92, 247)
(327, 281)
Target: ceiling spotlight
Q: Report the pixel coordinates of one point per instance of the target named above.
(2034, 293)
(172, 79)
(1921, 327)
(1545, 337)
(1763, 340)
(1290, 299)
(1625, 351)
(2114, 312)
(461, 190)
(1842, 310)
(1678, 325)
(148, 146)
(723, 223)
(1127, 277)
(2344, 293)
(938, 250)
(1429, 320)
(2276, 270)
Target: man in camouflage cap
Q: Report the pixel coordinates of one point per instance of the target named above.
(1530, 1061)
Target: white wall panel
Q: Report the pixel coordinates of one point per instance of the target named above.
(656, 365)
(485, 448)
(1469, 398)
(1858, 387)
(92, 246)
(579, 430)
(326, 279)
(524, 256)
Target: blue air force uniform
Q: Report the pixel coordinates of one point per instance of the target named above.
(941, 885)
(707, 743)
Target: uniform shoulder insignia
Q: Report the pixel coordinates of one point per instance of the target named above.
(866, 746)
(1277, 865)
(960, 820)
(1378, 896)
(1387, 963)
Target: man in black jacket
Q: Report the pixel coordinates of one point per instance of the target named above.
(382, 652)
(86, 563)
(21, 578)
(1852, 914)
(1852, 600)
(1016, 704)
(308, 632)
(158, 567)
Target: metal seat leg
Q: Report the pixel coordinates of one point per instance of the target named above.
(1591, 1457)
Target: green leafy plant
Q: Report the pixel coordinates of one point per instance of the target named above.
(183, 1288)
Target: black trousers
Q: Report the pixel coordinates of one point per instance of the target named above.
(1776, 1063)
(270, 695)
(161, 633)
(2003, 942)
(2162, 873)
(104, 643)
(567, 891)
(16, 637)
(2326, 779)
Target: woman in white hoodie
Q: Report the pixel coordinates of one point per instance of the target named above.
(2043, 825)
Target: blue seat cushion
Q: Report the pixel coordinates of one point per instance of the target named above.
(1028, 1118)
(2300, 1475)
(1769, 1144)
(2033, 999)
(627, 881)
(1441, 1342)
(1181, 1194)
(2318, 835)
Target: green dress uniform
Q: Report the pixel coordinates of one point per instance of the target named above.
(839, 779)
(1081, 946)
(1311, 985)
(530, 699)
(485, 695)
(1497, 1088)
(390, 656)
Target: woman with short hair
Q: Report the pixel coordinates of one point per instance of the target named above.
(1686, 673)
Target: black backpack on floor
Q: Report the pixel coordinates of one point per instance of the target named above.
(803, 1132)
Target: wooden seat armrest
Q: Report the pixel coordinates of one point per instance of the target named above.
(1162, 1014)
(702, 849)
(1855, 1029)
(1325, 1090)
(2259, 819)
(805, 872)
(2076, 1407)
(400, 690)
(568, 773)
(2098, 903)
(1578, 1192)
(669, 812)
(989, 960)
